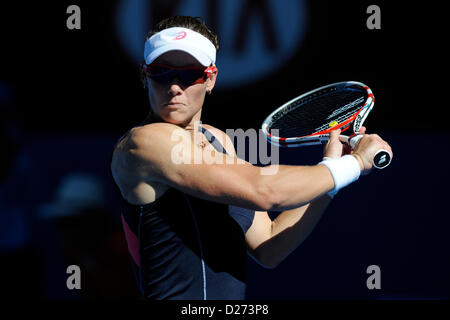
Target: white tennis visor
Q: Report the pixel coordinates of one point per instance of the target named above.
(183, 39)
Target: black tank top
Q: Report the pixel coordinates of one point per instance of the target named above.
(183, 247)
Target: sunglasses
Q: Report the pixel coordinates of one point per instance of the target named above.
(164, 74)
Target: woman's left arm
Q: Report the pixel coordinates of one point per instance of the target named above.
(270, 242)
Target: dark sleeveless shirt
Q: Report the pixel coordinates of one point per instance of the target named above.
(183, 247)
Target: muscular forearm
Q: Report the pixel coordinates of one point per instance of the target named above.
(290, 229)
(294, 186)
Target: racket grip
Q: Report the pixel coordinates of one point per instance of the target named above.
(382, 157)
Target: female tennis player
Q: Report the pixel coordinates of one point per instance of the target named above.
(190, 226)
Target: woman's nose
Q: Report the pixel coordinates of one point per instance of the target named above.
(175, 87)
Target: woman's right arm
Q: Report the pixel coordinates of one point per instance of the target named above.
(153, 153)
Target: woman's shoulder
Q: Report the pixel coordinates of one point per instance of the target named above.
(157, 132)
(153, 127)
(223, 138)
(215, 131)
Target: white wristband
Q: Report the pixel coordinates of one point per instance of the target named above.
(344, 170)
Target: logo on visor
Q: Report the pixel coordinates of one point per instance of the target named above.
(181, 35)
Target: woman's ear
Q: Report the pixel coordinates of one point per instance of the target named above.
(211, 82)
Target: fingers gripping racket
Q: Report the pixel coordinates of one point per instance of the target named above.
(309, 118)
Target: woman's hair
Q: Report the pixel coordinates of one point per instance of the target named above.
(194, 23)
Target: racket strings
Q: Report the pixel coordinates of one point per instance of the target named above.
(343, 117)
(314, 113)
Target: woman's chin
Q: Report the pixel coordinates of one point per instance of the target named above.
(175, 117)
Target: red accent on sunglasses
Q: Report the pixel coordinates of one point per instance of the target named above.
(207, 70)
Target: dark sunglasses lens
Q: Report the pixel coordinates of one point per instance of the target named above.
(161, 74)
(190, 76)
(165, 75)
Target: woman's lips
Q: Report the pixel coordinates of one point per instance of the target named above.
(174, 104)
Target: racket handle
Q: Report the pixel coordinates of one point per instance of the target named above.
(382, 157)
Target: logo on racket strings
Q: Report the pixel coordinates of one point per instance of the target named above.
(346, 107)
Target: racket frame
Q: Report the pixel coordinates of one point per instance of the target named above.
(355, 121)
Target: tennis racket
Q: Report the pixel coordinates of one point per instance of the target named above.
(309, 118)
